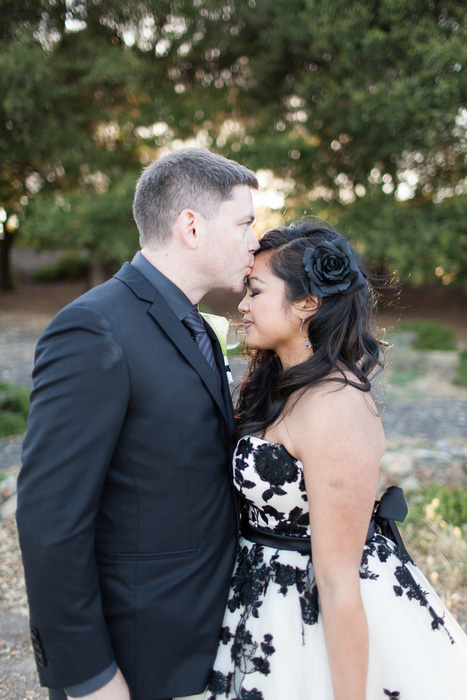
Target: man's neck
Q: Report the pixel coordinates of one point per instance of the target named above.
(177, 270)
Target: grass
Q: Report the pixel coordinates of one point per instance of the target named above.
(450, 504)
(14, 409)
(429, 335)
(401, 377)
(461, 373)
(434, 534)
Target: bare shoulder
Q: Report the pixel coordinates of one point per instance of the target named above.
(335, 395)
(336, 412)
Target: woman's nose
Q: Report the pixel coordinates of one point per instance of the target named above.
(243, 306)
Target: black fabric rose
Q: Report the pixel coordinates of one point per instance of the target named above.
(274, 465)
(332, 269)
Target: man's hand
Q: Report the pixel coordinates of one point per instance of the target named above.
(116, 689)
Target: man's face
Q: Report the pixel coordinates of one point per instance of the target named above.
(229, 241)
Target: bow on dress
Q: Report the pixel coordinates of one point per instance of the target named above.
(391, 507)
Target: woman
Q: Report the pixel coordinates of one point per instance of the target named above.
(335, 625)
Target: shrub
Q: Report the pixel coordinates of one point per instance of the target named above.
(70, 267)
(450, 504)
(430, 335)
(14, 409)
(461, 373)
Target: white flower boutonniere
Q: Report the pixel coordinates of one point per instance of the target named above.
(220, 326)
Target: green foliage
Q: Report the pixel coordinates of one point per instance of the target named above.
(100, 225)
(401, 377)
(339, 99)
(431, 335)
(341, 89)
(421, 242)
(452, 506)
(14, 409)
(461, 373)
(70, 267)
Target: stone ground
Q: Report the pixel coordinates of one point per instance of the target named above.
(424, 418)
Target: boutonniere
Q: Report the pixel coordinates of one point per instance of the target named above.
(220, 326)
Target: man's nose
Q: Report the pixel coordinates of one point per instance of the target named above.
(253, 243)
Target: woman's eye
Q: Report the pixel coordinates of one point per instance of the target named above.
(254, 292)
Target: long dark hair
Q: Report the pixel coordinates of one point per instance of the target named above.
(339, 332)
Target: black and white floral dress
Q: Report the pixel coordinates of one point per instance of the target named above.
(272, 643)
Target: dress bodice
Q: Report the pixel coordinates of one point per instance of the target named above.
(271, 486)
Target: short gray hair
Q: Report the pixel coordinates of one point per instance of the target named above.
(190, 178)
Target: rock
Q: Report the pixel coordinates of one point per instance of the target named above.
(455, 476)
(410, 483)
(8, 507)
(432, 458)
(397, 464)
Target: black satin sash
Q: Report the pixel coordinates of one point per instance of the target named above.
(391, 507)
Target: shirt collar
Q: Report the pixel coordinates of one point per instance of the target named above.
(173, 295)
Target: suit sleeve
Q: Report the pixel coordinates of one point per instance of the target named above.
(78, 405)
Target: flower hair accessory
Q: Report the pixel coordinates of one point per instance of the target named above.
(332, 269)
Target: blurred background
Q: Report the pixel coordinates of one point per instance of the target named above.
(352, 111)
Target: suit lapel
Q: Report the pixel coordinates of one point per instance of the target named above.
(221, 365)
(180, 336)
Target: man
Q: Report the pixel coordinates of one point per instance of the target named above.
(125, 510)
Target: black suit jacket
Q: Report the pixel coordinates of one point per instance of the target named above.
(126, 513)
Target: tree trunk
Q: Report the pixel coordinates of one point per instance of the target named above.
(6, 279)
(98, 273)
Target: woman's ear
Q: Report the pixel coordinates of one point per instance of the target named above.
(308, 306)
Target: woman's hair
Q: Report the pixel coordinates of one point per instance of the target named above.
(339, 330)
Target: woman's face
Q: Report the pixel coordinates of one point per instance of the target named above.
(271, 323)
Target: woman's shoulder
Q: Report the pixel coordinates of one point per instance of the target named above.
(336, 409)
(339, 388)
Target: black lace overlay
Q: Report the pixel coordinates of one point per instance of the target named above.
(381, 548)
(279, 474)
(271, 487)
(250, 582)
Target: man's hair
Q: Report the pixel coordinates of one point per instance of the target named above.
(190, 178)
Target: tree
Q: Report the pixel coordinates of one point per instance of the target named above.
(97, 225)
(83, 85)
(324, 89)
(69, 109)
(356, 106)
(341, 100)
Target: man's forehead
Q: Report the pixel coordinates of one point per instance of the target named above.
(241, 200)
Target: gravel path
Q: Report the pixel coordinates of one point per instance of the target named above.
(425, 414)
(433, 410)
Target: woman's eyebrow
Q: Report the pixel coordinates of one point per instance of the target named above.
(257, 279)
(247, 281)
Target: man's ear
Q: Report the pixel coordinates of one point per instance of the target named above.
(187, 228)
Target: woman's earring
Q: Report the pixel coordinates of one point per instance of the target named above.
(307, 340)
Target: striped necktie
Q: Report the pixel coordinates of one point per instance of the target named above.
(195, 324)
